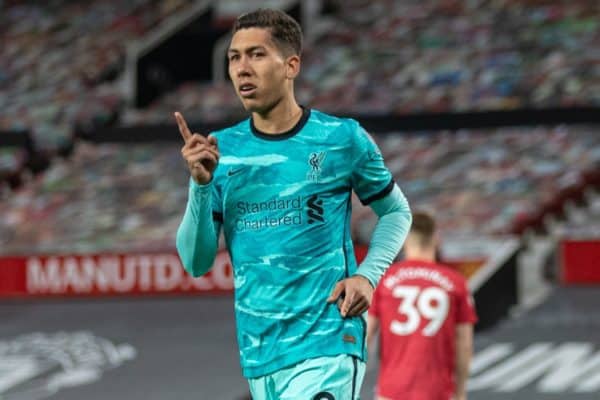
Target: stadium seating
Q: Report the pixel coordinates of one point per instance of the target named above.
(490, 182)
(59, 57)
(131, 197)
(382, 57)
(105, 196)
(401, 57)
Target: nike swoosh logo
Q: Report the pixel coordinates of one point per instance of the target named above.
(232, 171)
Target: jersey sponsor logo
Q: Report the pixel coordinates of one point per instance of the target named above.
(315, 209)
(315, 161)
(252, 216)
(38, 365)
(545, 367)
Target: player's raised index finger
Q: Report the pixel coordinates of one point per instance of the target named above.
(183, 128)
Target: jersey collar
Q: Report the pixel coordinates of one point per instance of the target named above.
(284, 135)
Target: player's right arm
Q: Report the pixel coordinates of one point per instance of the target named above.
(197, 236)
(464, 351)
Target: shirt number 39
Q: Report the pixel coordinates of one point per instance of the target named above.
(430, 303)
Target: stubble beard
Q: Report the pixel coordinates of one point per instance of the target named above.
(264, 108)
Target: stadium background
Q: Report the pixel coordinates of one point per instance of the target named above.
(487, 113)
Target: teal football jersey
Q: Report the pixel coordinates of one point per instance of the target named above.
(284, 202)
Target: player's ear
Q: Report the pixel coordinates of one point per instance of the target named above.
(292, 66)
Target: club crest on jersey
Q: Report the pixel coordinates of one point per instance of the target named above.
(315, 160)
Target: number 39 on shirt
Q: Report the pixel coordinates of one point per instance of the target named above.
(430, 303)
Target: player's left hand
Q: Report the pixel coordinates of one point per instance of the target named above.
(353, 295)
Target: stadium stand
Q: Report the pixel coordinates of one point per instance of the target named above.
(491, 182)
(456, 55)
(101, 218)
(428, 56)
(406, 57)
(129, 197)
(124, 198)
(59, 59)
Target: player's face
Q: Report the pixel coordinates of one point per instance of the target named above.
(259, 71)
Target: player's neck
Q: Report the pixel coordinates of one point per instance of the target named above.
(281, 118)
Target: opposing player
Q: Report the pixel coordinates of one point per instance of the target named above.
(425, 316)
(279, 184)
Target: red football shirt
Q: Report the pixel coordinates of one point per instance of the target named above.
(418, 305)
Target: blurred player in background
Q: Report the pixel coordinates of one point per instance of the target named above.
(279, 184)
(425, 316)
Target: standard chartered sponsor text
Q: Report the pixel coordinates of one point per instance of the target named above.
(251, 215)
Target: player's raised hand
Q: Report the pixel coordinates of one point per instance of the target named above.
(200, 153)
(353, 295)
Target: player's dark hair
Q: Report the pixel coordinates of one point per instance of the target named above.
(423, 225)
(285, 30)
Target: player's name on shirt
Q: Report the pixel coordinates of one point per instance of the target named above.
(404, 274)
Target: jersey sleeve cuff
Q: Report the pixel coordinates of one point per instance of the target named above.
(196, 187)
(372, 281)
(200, 192)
